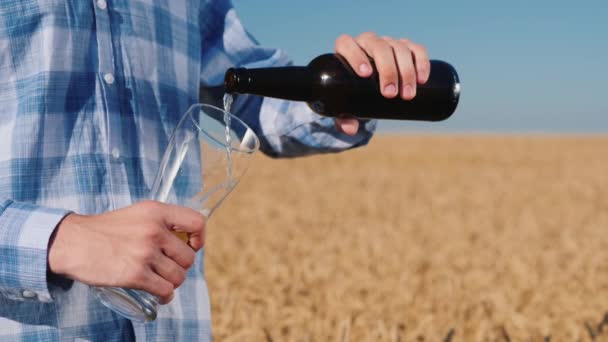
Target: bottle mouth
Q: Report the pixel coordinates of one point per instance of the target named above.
(232, 79)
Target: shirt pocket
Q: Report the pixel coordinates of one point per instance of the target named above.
(37, 36)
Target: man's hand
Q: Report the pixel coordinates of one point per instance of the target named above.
(401, 64)
(133, 247)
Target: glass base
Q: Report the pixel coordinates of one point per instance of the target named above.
(133, 304)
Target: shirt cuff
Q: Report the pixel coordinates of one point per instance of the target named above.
(25, 231)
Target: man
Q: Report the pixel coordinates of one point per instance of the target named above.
(89, 94)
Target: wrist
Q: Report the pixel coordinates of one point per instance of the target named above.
(59, 245)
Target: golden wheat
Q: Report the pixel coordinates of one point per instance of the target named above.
(417, 238)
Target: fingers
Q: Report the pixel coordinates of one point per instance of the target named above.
(165, 300)
(357, 58)
(401, 64)
(407, 71)
(149, 281)
(169, 270)
(161, 288)
(175, 248)
(421, 59)
(348, 126)
(196, 241)
(382, 53)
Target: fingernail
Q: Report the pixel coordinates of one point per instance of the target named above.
(390, 89)
(364, 68)
(408, 91)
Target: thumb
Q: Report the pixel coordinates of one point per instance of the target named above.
(348, 126)
(183, 219)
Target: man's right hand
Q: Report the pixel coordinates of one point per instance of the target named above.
(133, 247)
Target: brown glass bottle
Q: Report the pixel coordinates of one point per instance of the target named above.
(331, 88)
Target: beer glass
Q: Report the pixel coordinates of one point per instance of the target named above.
(208, 152)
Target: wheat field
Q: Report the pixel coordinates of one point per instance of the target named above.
(417, 238)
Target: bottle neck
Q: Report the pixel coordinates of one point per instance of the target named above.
(289, 83)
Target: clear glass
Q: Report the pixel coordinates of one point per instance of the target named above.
(203, 162)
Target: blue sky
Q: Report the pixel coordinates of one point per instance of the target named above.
(525, 66)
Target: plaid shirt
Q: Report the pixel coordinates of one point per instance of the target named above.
(89, 94)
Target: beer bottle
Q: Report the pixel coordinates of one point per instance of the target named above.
(331, 88)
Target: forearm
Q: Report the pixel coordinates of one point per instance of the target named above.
(291, 129)
(285, 129)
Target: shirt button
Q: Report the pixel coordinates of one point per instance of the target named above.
(28, 294)
(109, 78)
(102, 4)
(115, 153)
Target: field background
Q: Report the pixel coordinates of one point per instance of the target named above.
(417, 238)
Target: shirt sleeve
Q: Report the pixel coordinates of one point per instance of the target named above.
(285, 128)
(25, 231)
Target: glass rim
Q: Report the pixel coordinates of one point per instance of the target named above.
(249, 133)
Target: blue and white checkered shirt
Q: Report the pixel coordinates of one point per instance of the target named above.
(90, 91)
